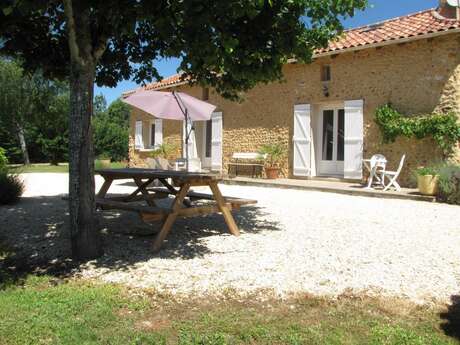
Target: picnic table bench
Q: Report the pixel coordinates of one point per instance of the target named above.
(183, 203)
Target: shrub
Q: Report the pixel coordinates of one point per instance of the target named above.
(11, 188)
(449, 183)
(104, 156)
(3, 161)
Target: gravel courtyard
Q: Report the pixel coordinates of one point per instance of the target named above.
(292, 241)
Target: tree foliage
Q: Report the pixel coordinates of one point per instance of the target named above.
(111, 130)
(40, 107)
(230, 45)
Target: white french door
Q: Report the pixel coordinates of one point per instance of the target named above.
(332, 141)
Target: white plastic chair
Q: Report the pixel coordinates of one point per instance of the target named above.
(393, 176)
(378, 163)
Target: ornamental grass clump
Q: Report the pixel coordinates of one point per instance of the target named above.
(449, 183)
(11, 188)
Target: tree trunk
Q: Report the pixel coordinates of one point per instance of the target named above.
(85, 238)
(22, 142)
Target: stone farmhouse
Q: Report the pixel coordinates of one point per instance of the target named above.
(323, 112)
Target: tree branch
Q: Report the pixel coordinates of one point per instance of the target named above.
(71, 29)
(100, 47)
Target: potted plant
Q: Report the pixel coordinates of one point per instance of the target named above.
(160, 156)
(104, 160)
(427, 180)
(273, 154)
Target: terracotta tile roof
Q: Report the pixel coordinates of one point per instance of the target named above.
(169, 81)
(407, 27)
(162, 84)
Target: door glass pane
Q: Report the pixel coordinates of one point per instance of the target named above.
(328, 134)
(208, 138)
(341, 135)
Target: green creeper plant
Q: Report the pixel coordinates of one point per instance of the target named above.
(443, 128)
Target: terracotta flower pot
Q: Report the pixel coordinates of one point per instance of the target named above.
(428, 184)
(272, 173)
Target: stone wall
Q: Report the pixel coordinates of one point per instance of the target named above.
(416, 77)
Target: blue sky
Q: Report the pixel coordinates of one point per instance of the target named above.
(378, 10)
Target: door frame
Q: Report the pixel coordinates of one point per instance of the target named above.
(332, 168)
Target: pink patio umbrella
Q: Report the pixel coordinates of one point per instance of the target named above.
(172, 106)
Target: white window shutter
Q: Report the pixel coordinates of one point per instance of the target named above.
(353, 164)
(302, 140)
(216, 141)
(158, 132)
(192, 151)
(138, 142)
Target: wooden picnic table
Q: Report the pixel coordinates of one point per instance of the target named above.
(183, 203)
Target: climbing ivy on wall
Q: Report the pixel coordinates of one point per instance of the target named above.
(443, 127)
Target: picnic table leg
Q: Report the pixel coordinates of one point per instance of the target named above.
(233, 228)
(105, 187)
(174, 191)
(141, 188)
(170, 219)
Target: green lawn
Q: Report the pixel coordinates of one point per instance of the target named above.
(45, 310)
(61, 168)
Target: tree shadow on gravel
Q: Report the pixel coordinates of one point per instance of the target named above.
(35, 238)
(451, 318)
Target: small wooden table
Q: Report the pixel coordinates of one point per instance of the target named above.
(182, 205)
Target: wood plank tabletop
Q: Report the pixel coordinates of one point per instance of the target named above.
(155, 173)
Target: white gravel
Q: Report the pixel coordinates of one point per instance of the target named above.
(292, 241)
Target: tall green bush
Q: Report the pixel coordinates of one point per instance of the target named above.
(111, 131)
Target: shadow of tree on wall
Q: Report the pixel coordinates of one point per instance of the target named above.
(35, 237)
(451, 318)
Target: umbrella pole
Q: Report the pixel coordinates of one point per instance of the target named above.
(187, 135)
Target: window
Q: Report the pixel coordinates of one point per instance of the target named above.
(205, 94)
(152, 134)
(325, 73)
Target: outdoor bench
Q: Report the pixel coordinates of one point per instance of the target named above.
(247, 159)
